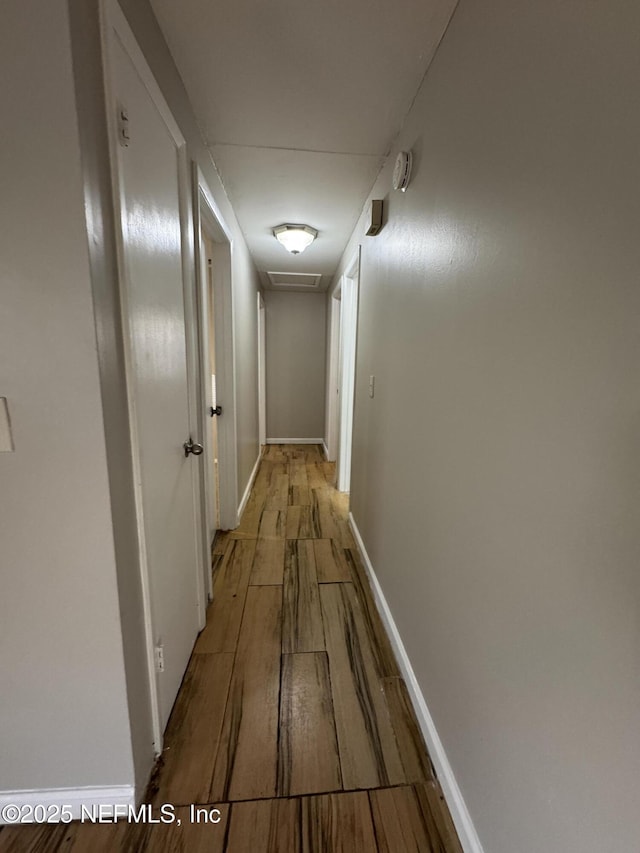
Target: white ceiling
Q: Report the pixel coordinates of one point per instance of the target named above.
(299, 103)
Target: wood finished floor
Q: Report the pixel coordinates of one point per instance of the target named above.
(292, 718)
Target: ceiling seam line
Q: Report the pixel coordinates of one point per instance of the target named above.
(423, 78)
(300, 150)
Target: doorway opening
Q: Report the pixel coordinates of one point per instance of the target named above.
(333, 376)
(216, 349)
(342, 372)
(214, 409)
(262, 373)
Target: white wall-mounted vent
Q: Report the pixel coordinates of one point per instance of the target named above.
(297, 280)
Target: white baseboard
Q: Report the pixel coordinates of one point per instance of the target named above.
(459, 812)
(247, 491)
(294, 441)
(325, 450)
(54, 799)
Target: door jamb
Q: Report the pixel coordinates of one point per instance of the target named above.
(262, 371)
(333, 374)
(204, 389)
(348, 346)
(208, 217)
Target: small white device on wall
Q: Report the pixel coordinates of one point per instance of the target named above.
(402, 171)
(6, 439)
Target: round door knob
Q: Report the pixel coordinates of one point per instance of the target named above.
(192, 447)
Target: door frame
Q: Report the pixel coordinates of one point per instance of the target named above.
(204, 368)
(208, 217)
(114, 25)
(262, 372)
(349, 292)
(333, 376)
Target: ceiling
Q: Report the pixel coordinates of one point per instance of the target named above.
(299, 103)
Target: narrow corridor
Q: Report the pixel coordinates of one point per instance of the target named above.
(292, 720)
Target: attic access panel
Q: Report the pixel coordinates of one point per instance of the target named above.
(287, 280)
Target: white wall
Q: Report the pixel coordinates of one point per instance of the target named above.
(495, 473)
(296, 341)
(63, 714)
(246, 345)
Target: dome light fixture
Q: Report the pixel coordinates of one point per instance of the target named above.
(295, 238)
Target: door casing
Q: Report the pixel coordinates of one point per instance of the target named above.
(349, 292)
(333, 378)
(209, 219)
(262, 372)
(114, 25)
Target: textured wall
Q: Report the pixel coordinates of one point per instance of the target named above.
(296, 335)
(63, 715)
(495, 473)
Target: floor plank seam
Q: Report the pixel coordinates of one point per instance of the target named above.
(226, 704)
(373, 820)
(327, 793)
(279, 738)
(333, 711)
(224, 713)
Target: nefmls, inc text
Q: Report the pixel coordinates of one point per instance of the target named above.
(147, 814)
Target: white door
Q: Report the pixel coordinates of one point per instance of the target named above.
(150, 172)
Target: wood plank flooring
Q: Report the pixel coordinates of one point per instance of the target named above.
(292, 726)
(309, 760)
(303, 628)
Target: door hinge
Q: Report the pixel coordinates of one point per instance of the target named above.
(159, 657)
(124, 137)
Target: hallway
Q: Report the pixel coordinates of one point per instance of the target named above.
(401, 230)
(292, 718)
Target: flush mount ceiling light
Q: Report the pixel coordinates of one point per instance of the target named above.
(295, 238)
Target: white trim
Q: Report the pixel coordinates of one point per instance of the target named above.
(457, 806)
(225, 236)
(348, 351)
(247, 491)
(70, 798)
(194, 391)
(204, 431)
(219, 233)
(115, 27)
(115, 17)
(332, 426)
(295, 441)
(325, 450)
(262, 371)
